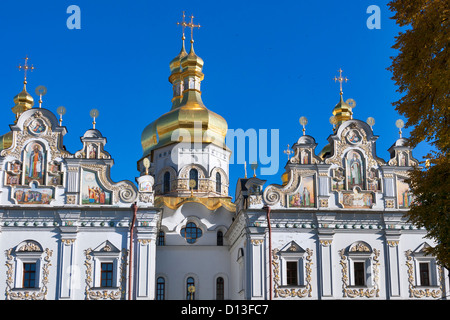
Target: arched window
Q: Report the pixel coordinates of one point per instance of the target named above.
(191, 232)
(218, 183)
(190, 289)
(219, 238)
(220, 289)
(193, 175)
(166, 187)
(161, 238)
(160, 288)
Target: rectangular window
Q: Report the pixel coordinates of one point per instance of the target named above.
(359, 274)
(29, 275)
(107, 275)
(291, 273)
(424, 274)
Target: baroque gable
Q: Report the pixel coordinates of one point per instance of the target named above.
(38, 170)
(347, 173)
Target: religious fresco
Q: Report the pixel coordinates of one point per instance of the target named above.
(37, 126)
(354, 136)
(34, 159)
(337, 182)
(13, 173)
(34, 195)
(305, 196)
(145, 186)
(54, 174)
(92, 151)
(356, 200)
(305, 157)
(373, 181)
(92, 193)
(404, 194)
(355, 170)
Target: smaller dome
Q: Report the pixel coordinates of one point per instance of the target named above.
(92, 133)
(22, 102)
(175, 64)
(402, 142)
(24, 97)
(306, 140)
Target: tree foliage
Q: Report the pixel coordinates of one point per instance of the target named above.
(422, 73)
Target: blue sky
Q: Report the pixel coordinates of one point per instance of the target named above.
(266, 64)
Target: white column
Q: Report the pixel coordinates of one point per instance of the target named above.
(67, 272)
(145, 269)
(256, 268)
(394, 269)
(326, 267)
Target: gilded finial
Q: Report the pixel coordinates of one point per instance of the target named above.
(399, 124)
(94, 114)
(254, 167)
(288, 151)
(340, 79)
(41, 91)
(303, 121)
(183, 25)
(192, 26)
(61, 111)
(25, 69)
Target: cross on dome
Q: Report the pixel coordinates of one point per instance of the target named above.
(340, 79)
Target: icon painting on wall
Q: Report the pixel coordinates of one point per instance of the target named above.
(404, 194)
(92, 192)
(305, 197)
(34, 195)
(37, 126)
(355, 176)
(34, 163)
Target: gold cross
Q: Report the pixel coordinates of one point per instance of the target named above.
(340, 79)
(288, 151)
(183, 24)
(25, 68)
(192, 26)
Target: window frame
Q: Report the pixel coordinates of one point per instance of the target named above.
(220, 239)
(160, 292)
(109, 274)
(198, 232)
(292, 252)
(193, 175)
(220, 286)
(166, 182)
(161, 238)
(218, 182)
(26, 272)
(190, 281)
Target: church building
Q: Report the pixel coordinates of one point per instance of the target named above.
(334, 229)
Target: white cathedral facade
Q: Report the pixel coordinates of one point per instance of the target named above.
(334, 229)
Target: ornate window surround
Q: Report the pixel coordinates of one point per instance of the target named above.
(28, 251)
(292, 252)
(413, 259)
(360, 251)
(105, 253)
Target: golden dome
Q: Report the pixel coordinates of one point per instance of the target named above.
(23, 102)
(342, 111)
(189, 120)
